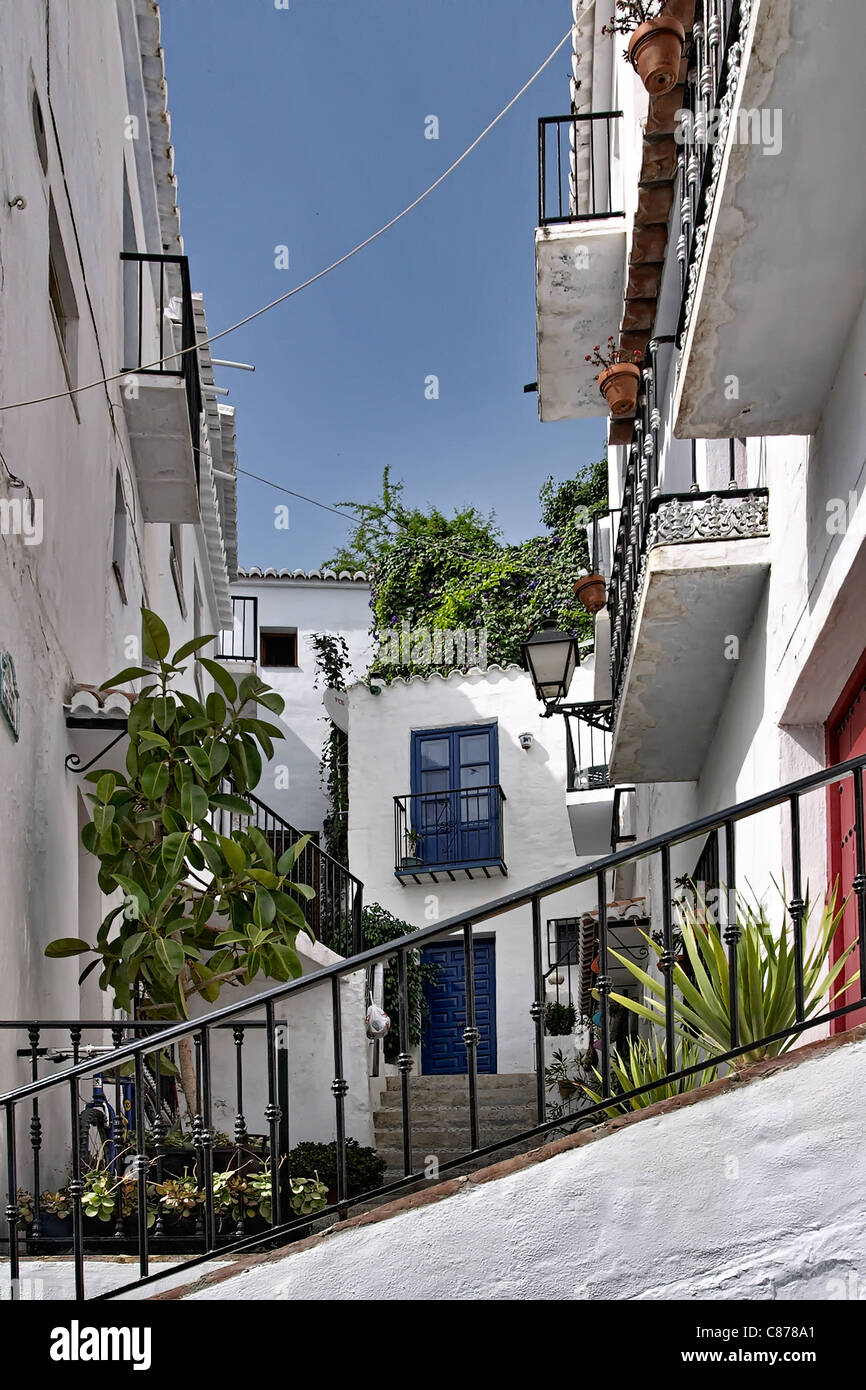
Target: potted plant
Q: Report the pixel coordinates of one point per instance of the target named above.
(655, 48)
(590, 592)
(412, 859)
(309, 1195)
(55, 1214)
(619, 380)
(364, 1168)
(559, 1020)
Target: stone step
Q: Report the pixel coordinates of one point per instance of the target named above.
(422, 1116)
(443, 1086)
(456, 1137)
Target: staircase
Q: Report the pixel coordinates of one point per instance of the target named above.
(439, 1110)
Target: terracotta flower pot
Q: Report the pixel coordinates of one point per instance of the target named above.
(590, 592)
(619, 385)
(655, 51)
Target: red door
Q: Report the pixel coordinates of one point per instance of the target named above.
(846, 738)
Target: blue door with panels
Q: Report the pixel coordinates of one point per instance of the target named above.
(455, 805)
(443, 1051)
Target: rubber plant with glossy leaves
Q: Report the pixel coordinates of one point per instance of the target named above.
(200, 910)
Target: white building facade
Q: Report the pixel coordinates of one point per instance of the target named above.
(736, 487)
(129, 484)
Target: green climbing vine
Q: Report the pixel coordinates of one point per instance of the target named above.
(332, 668)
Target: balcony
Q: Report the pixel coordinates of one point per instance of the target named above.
(589, 794)
(239, 643)
(452, 834)
(162, 391)
(771, 244)
(580, 258)
(688, 572)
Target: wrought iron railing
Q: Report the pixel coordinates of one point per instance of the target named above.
(576, 174)
(335, 915)
(451, 831)
(149, 322)
(713, 67)
(107, 1133)
(24, 1104)
(587, 747)
(240, 641)
(651, 516)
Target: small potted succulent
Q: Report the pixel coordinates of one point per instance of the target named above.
(655, 48)
(619, 379)
(412, 859)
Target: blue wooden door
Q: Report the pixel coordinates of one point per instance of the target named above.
(455, 808)
(443, 1051)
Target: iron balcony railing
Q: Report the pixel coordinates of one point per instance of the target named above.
(156, 298)
(22, 1107)
(335, 915)
(449, 832)
(587, 747)
(649, 515)
(712, 48)
(240, 641)
(576, 176)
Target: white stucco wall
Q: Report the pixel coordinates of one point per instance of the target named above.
(311, 606)
(538, 841)
(62, 615)
(756, 1194)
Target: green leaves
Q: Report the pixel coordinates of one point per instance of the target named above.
(66, 946)
(153, 837)
(222, 678)
(195, 644)
(155, 638)
(154, 781)
(170, 954)
(766, 981)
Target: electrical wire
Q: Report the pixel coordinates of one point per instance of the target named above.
(281, 299)
(280, 488)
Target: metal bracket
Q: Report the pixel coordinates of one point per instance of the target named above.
(72, 762)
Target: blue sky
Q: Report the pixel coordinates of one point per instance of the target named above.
(305, 128)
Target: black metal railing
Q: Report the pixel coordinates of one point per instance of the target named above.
(23, 1106)
(455, 830)
(711, 47)
(587, 749)
(575, 168)
(649, 515)
(335, 914)
(240, 641)
(149, 340)
(106, 1135)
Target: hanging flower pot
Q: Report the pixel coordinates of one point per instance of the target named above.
(655, 52)
(619, 381)
(619, 386)
(590, 592)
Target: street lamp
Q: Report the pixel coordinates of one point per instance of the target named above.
(551, 657)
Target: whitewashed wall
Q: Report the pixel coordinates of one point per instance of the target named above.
(538, 842)
(759, 1194)
(312, 606)
(62, 616)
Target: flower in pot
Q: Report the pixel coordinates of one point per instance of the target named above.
(619, 379)
(590, 592)
(655, 48)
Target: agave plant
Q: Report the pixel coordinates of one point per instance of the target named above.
(643, 1062)
(766, 992)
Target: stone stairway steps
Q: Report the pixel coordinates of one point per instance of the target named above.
(439, 1114)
